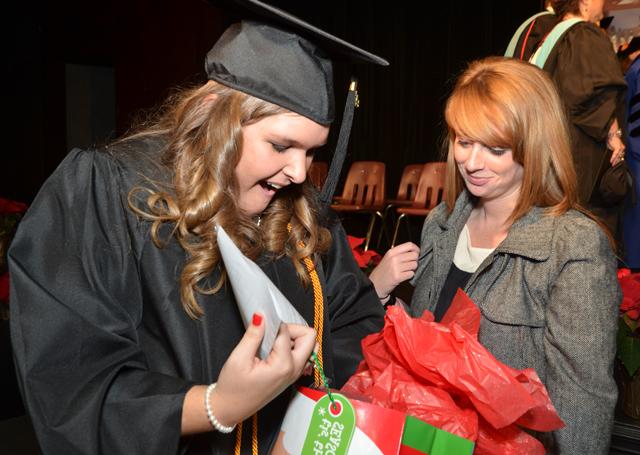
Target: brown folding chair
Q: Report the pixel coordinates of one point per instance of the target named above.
(406, 193)
(364, 192)
(317, 173)
(407, 187)
(429, 194)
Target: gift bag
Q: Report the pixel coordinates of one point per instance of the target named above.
(441, 374)
(314, 425)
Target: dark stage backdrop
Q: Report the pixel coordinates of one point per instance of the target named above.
(77, 72)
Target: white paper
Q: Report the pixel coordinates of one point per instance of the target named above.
(256, 293)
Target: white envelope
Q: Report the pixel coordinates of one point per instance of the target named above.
(256, 293)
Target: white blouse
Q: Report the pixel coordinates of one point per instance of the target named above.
(468, 258)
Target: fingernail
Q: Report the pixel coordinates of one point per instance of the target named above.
(257, 319)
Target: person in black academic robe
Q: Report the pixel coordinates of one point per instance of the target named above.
(631, 218)
(533, 34)
(591, 85)
(112, 355)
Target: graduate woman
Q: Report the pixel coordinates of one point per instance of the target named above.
(126, 333)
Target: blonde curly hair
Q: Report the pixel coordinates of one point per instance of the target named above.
(202, 131)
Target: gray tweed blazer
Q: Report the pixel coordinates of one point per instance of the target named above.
(549, 299)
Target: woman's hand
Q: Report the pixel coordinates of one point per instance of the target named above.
(615, 144)
(246, 383)
(397, 265)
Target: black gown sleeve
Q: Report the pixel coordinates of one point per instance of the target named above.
(75, 305)
(354, 308)
(589, 79)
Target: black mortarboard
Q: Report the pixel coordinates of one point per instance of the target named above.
(283, 60)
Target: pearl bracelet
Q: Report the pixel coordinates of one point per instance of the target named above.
(212, 419)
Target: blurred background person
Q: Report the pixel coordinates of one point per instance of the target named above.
(631, 220)
(586, 72)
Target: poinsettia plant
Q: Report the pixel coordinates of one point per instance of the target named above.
(629, 322)
(366, 260)
(10, 214)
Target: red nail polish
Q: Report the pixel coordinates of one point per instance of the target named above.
(257, 319)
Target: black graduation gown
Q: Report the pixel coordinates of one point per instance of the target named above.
(105, 352)
(591, 85)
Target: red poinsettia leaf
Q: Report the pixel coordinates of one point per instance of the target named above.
(354, 242)
(369, 256)
(628, 304)
(4, 288)
(623, 273)
(363, 258)
(375, 259)
(630, 285)
(9, 206)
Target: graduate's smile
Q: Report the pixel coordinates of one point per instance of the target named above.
(271, 187)
(276, 152)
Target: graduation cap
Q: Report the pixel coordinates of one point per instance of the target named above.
(286, 61)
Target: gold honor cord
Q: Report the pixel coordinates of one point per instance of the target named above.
(254, 436)
(318, 317)
(318, 373)
(236, 451)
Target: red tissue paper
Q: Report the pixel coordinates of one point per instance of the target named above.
(440, 373)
